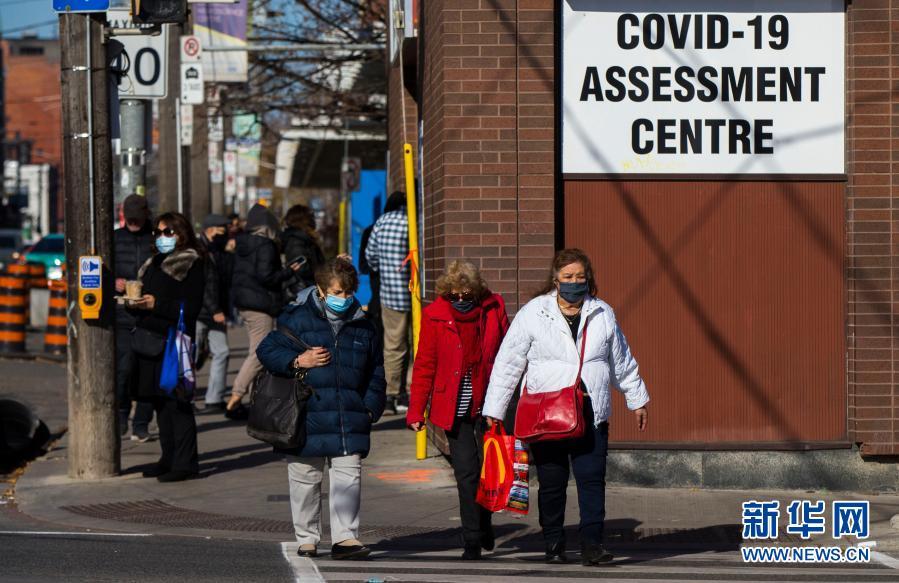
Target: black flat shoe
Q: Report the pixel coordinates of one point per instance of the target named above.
(555, 555)
(592, 555)
(155, 472)
(177, 476)
(310, 554)
(349, 552)
(471, 552)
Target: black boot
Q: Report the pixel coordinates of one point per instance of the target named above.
(156, 471)
(177, 476)
(555, 554)
(488, 539)
(593, 554)
(471, 552)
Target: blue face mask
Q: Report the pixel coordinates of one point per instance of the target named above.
(165, 244)
(573, 292)
(338, 305)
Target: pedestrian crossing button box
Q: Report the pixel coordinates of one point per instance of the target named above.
(90, 286)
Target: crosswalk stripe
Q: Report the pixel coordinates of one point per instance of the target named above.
(304, 569)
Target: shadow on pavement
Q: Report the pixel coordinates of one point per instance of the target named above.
(250, 460)
(222, 424)
(623, 536)
(389, 423)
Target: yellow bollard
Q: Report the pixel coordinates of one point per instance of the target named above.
(421, 438)
(342, 246)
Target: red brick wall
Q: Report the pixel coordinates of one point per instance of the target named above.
(872, 214)
(488, 111)
(33, 105)
(396, 94)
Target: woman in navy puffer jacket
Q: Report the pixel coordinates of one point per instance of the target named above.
(343, 362)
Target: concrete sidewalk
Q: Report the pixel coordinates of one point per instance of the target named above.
(407, 504)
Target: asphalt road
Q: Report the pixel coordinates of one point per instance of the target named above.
(30, 553)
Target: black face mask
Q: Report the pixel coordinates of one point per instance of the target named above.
(217, 243)
(573, 293)
(463, 306)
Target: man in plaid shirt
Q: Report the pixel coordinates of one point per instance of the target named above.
(386, 254)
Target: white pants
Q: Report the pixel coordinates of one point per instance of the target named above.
(344, 498)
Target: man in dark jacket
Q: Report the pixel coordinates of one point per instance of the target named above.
(258, 290)
(133, 246)
(211, 325)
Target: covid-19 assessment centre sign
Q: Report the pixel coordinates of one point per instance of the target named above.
(703, 87)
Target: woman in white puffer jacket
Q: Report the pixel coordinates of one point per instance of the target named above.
(545, 340)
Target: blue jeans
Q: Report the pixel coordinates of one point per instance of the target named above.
(218, 367)
(587, 457)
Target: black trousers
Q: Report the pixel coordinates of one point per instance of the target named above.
(466, 451)
(177, 435)
(125, 363)
(587, 458)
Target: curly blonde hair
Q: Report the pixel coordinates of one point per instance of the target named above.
(461, 275)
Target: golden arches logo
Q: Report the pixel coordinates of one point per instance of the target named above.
(492, 442)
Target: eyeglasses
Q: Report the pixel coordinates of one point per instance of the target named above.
(168, 232)
(461, 296)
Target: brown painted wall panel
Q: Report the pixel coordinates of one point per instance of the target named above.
(731, 295)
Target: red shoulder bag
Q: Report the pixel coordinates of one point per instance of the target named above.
(553, 415)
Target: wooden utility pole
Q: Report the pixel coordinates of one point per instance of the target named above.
(168, 127)
(93, 434)
(200, 203)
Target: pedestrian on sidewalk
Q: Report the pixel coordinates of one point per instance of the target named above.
(173, 281)
(258, 294)
(461, 333)
(301, 242)
(386, 253)
(344, 364)
(133, 245)
(546, 339)
(212, 326)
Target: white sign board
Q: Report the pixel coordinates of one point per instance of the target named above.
(190, 49)
(192, 83)
(728, 87)
(215, 127)
(187, 125)
(230, 170)
(143, 60)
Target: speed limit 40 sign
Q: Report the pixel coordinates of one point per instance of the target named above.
(143, 63)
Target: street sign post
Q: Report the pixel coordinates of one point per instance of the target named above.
(143, 61)
(192, 84)
(191, 51)
(80, 5)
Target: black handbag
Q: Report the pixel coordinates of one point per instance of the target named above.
(278, 407)
(147, 342)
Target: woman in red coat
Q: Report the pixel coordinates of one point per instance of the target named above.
(461, 333)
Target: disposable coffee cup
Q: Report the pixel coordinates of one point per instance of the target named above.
(133, 289)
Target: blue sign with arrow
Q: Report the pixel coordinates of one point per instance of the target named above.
(80, 5)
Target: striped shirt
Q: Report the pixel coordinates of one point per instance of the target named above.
(387, 249)
(465, 391)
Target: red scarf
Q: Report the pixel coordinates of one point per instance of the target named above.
(470, 331)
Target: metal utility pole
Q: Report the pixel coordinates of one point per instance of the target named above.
(133, 158)
(87, 153)
(169, 138)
